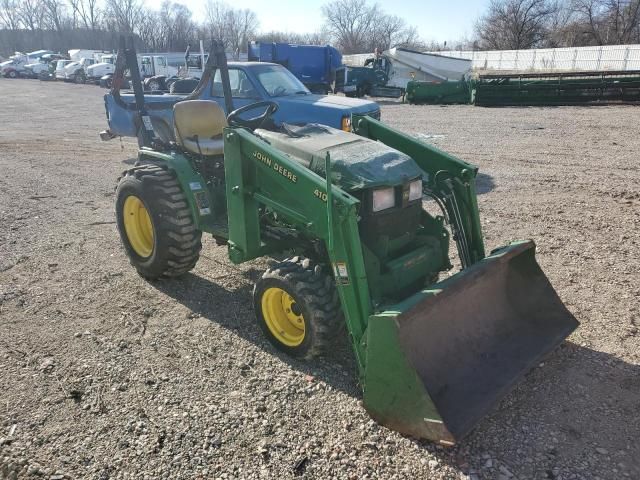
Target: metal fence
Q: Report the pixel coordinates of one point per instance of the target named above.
(612, 57)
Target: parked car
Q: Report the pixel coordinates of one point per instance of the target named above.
(33, 70)
(250, 82)
(59, 73)
(13, 68)
(37, 54)
(75, 72)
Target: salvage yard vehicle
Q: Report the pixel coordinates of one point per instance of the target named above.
(14, 67)
(387, 74)
(344, 213)
(160, 70)
(45, 65)
(250, 82)
(98, 70)
(313, 65)
(76, 71)
(59, 72)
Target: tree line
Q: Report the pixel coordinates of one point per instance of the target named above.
(353, 26)
(524, 24)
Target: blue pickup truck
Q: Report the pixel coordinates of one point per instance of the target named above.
(250, 82)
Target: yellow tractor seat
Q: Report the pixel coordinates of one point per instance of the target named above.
(198, 125)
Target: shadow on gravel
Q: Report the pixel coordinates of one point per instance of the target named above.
(575, 415)
(233, 310)
(129, 161)
(387, 102)
(484, 183)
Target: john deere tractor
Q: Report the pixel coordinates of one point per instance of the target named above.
(346, 211)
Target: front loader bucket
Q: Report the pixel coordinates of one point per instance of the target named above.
(438, 361)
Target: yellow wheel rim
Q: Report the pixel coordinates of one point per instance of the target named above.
(138, 226)
(283, 316)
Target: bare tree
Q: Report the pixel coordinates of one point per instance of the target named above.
(87, 11)
(148, 30)
(514, 24)
(385, 31)
(30, 14)
(176, 26)
(608, 22)
(320, 37)
(233, 26)
(123, 15)
(242, 26)
(216, 19)
(350, 22)
(561, 31)
(55, 14)
(407, 37)
(356, 26)
(9, 17)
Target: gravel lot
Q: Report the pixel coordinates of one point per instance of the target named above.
(104, 375)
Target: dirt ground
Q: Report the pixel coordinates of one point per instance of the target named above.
(104, 375)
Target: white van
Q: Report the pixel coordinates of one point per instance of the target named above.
(59, 73)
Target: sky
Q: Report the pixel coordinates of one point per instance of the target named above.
(438, 20)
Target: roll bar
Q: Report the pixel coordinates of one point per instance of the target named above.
(127, 60)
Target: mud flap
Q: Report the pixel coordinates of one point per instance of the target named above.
(440, 360)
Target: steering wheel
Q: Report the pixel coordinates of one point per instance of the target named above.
(254, 122)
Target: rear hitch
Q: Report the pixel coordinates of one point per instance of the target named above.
(107, 135)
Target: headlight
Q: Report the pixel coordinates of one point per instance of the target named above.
(346, 123)
(383, 198)
(415, 190)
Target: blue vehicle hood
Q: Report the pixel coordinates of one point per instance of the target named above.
(353, 105)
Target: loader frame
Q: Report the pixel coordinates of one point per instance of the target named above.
(431, 362)
(259, 176)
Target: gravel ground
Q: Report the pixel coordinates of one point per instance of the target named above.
(104, 375)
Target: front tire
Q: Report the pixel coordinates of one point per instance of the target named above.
(155, 223)
(297, 307)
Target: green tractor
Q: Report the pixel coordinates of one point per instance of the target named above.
(345, 213)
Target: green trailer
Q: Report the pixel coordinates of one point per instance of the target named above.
(439, 93)
(343, 216)
(569, 88)
(531, 89)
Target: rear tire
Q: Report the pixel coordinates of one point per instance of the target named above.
(298, 308)
(173, 245)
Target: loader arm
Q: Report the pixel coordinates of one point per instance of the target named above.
(257, 177)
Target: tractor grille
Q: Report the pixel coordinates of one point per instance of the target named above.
(393, 222)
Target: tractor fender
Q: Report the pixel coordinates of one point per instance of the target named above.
(192, 183)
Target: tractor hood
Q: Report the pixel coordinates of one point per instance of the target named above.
(356, 162)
